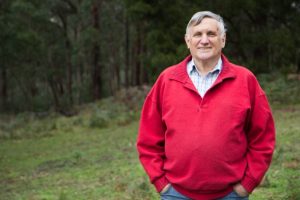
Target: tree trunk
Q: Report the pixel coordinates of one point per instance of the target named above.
(96, 68)
(55, 95)
(55, 82)
(138, 63)
(69, 66)
(126, 52)
(298, 61)
(69, 71)
(145, 79)
(116, 76)
(3, 89)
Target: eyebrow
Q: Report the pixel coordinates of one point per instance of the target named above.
(208, 31)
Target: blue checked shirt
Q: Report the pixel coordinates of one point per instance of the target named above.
(203, 83)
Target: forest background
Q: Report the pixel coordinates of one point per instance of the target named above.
(56, 54)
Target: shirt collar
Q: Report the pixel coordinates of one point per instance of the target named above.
(191, 67)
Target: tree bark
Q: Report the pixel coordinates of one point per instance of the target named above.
(138, 63)
(127, 52)
(54, 94)
(96, 68)
(3, 88)
(69, 69)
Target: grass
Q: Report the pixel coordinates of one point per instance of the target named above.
(80, 164)
(72, 159)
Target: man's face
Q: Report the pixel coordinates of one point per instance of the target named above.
(205, 40)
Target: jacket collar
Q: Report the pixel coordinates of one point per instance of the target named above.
(180, 72)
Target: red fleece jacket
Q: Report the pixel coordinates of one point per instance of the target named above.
(203, 146)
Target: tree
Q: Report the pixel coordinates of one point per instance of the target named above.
(96, 72)
(77, 51)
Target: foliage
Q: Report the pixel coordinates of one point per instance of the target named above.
(119, 110)
(57, 54)
(280, 89)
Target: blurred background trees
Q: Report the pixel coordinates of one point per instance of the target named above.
(61, 53)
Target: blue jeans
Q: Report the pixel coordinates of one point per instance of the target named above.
(172, 194)
(233, 196)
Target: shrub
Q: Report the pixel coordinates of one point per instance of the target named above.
(279, 89)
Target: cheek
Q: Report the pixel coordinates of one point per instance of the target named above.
(194, 43)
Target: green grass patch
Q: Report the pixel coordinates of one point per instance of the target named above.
(86, 163)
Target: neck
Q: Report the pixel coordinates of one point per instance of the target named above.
(205, 66)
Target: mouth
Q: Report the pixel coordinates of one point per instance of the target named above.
(204, 48)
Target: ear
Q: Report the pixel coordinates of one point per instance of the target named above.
(224, 40)
(187, 40)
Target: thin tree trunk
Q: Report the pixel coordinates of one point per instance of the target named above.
(126, 52)
(117, 72)
(3, 89)
(143, 72)
(145, 75)
(139, 54)
(132, 61)
(298, 61)
(54, 94)
(69, 71)
(96, 68)
(69, 63)
(55, 83)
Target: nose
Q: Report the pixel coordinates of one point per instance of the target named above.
(204, 39)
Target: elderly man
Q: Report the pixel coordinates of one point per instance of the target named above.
(206, 128)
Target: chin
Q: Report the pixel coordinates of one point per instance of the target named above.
(208, 57)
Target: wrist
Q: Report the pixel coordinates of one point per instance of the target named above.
(240, 190)
(160, 183)
(165, 189)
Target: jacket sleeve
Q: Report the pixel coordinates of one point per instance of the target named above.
(150, 142)
(261, 140)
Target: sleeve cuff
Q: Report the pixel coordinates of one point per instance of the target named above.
(160, 183)
(249, 184)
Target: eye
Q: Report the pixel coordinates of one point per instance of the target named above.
(197, 34)
(212, 34)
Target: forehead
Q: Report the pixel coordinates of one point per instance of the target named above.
(206, 24)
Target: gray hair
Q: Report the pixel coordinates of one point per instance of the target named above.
(199, 16)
